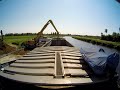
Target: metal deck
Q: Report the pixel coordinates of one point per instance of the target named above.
(53, 65)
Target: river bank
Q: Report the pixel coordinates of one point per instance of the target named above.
(110, 44)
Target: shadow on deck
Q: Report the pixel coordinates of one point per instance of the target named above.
(6, 84)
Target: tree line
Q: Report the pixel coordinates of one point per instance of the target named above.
(115, 37)
(19, 34)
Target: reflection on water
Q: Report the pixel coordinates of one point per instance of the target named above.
(81, 44)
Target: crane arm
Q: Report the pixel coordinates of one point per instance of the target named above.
(44, 27)
(41, 32)
(54, 26)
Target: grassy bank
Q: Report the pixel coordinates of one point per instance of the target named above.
(110, 44)
(17, 40)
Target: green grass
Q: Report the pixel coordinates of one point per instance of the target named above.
(111, 44)
(17, 40)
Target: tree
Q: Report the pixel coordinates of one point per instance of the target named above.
(51, 33)
(106, 31)
(101, 33)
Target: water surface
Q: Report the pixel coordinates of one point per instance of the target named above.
(81, 44)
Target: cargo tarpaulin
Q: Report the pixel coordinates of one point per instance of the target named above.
(99, 60)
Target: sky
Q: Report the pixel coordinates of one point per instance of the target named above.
(82, 17)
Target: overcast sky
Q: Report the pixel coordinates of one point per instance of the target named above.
(88, 17)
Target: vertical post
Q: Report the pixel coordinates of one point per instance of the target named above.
(1, 39)
(1, 34)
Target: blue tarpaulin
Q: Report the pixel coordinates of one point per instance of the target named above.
(99, 60)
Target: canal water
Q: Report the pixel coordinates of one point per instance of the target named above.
(81, 44)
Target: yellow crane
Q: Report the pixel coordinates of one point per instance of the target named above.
(40, 34)
(32, 44)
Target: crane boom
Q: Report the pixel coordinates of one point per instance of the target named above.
(54, 26)
(44, 27)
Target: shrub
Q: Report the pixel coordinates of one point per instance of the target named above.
(100, 42)
(15, 43)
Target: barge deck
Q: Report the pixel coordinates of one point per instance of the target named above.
(51, 65)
